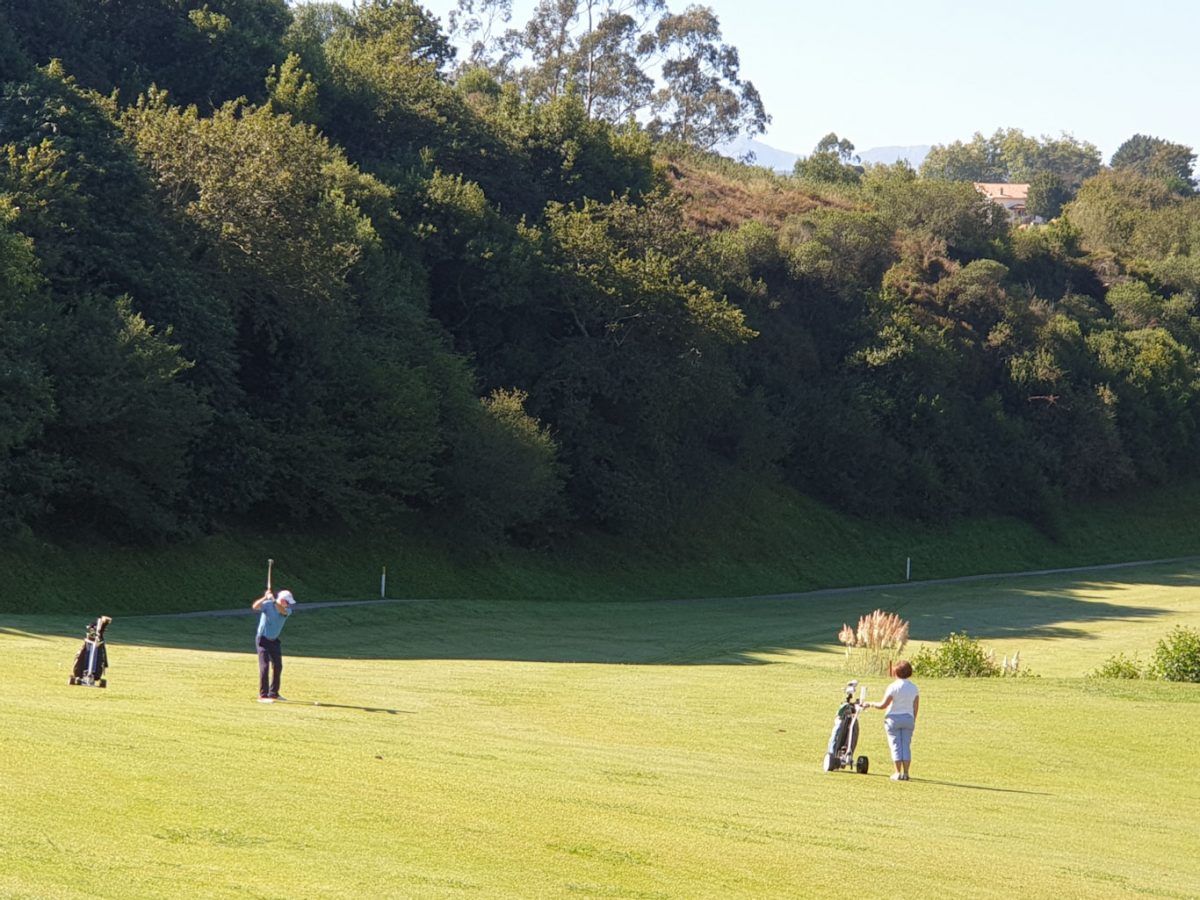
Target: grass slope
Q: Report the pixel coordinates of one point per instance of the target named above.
(602, 749)
(748, 539)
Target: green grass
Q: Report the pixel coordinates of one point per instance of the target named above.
(603, 749)
(744, 540)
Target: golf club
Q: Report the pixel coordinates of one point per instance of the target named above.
(270, 564)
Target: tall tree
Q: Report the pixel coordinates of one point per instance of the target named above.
(1157, 158)
(1070, 161)
(596, 48)
(549, 40)
(1047, 194)
(408, 26)
(613, 50)
(480, 25)
(833, 161)
(704, 101)
(977, 160)
(1009, 155)
(608, 51)
(1110, 207)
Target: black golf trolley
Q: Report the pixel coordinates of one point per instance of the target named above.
(92, 658)
(843, 740)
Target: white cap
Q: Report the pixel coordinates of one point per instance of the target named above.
(286, 597)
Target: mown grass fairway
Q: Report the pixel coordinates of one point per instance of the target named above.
(667, 749)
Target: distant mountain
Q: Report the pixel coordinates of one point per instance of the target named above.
(764, 155)
(888, 155)
(782, 161)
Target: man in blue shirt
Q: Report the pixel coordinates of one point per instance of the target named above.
(275, 610)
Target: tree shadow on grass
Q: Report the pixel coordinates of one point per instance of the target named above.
(730, 631)
(1030, 612)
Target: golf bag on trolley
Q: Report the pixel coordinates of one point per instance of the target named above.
(92, 658)
(843, 740)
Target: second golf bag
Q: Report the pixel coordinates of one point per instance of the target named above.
(843, 740)
(92, 658)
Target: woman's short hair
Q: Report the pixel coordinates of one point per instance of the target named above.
(902, 668)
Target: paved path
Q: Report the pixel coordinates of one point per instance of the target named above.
(799, 595)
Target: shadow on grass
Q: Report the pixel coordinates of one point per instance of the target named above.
(23, 634)
(978, 787)
(1064, 611)
(966, 787)
(372, 709)
(735, 631)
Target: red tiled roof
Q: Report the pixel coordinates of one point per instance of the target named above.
(1002, 190)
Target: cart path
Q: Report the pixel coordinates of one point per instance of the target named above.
(797, 595)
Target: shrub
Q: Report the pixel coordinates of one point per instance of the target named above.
(1177, 656)
(958, 656)
(1120, 666)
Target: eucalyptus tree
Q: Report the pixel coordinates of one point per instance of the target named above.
(625, 58)
(703, 100)
(613, 80)
(598, 49)
(480, 26)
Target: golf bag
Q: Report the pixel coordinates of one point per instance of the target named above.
(92, 658)
(843, 740)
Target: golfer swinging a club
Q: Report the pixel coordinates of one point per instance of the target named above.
(274, 609)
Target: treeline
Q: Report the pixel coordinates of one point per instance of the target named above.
(293, 264)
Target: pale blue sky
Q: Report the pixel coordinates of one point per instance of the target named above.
(906, 72)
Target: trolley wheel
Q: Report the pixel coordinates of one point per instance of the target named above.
(71, 679)
(861, 765)
(103, 682)
(829, 763)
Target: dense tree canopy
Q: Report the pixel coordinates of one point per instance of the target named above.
(1011, 155)
(305, 264)
(1157, 158)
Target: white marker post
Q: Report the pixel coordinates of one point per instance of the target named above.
(383, 584)
(908, 569)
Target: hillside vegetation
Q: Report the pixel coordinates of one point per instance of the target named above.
(328, 279)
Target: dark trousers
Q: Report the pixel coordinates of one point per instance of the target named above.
(270, 662)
